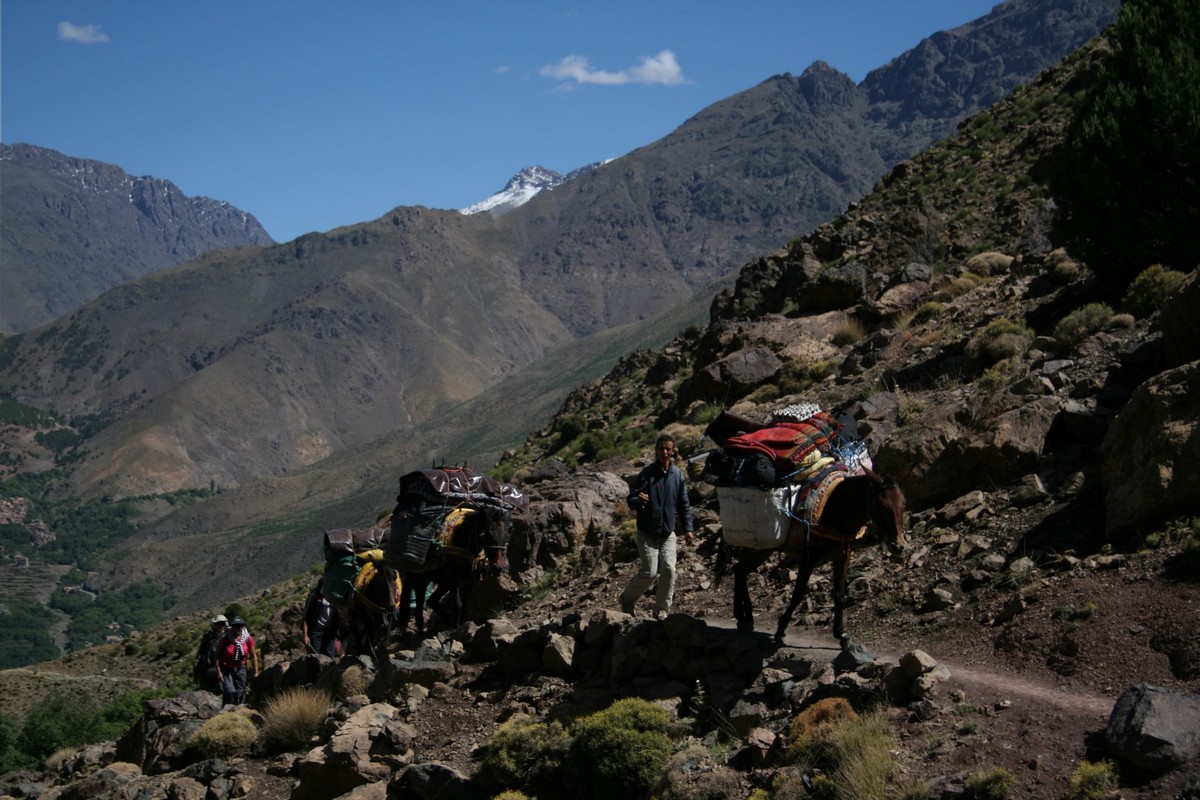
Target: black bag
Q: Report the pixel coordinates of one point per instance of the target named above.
(757, 469)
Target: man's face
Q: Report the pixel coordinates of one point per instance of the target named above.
(663, 451)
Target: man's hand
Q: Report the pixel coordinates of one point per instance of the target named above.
(690, 537)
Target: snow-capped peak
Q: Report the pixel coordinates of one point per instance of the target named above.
(523, 187)
(519, 190)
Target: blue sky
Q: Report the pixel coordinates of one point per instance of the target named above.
(312, 115)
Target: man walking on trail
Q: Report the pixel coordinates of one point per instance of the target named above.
(660, 498)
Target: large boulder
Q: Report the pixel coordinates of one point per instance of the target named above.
(954, 452)
(1180, 320)
(739, 372)
(368, 747)
(1154, 729)
(1151, 453)
(562, 515)
(157, 742)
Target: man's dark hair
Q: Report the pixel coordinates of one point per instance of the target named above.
(664, 437)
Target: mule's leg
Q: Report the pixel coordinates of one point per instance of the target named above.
(742, 610)
(799, 590)
(747, 561)
(420, 589)
(380, 638)
(841, 566)
(404, 613)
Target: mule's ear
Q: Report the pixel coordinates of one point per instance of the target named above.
(870, 473)
(905, 474)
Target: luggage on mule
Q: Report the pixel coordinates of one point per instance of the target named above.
(797, 443)
(346, 550)
(429, 508)
(768, 474)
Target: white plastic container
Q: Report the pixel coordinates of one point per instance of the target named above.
(755, 518)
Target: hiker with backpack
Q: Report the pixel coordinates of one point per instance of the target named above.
(235, 649)
(320, 625)
(204, 669)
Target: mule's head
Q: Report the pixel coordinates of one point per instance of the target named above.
(887, 508)
(496, 535)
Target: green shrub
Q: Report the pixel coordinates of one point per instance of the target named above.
(1150, 289)
(1001, 375)
(706, 413)
(1082, 323)
(526, 754)
(956, 287)
(931, 310)
(1092, 781)
(618, 752)
(60, 720)
(1001, 339)
(224, 736)
(292, 717)
(994, 784)
(11, 756)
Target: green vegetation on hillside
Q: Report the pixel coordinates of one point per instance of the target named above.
(25, 637)
(83, 529)
(133, 607)
(65, 720)
(1129, 170)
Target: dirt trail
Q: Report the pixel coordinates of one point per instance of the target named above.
(1074, 701)
(65, 677)
(975, 681)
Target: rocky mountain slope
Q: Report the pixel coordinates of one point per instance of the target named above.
(249, 364)
(75, 228)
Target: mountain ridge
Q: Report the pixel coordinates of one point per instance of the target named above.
(75, 227)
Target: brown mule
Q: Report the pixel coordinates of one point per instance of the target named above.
(861, 509)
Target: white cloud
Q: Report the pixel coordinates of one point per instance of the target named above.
(84, 34)
(661, 69)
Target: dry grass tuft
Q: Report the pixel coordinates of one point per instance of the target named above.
(224, 736)
(292, 717)
(850, 754)
(352, 681)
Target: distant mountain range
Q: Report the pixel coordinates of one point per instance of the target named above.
(253, 363)
(74, 228)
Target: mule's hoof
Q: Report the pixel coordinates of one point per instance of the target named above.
(843, 640)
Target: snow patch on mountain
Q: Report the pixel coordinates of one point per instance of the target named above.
(523, 187)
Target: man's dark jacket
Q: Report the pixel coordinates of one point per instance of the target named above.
(668, 500)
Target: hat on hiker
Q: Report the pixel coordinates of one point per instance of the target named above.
(219, 619)
(237, 621)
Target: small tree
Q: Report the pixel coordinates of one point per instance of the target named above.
(1128, 173)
